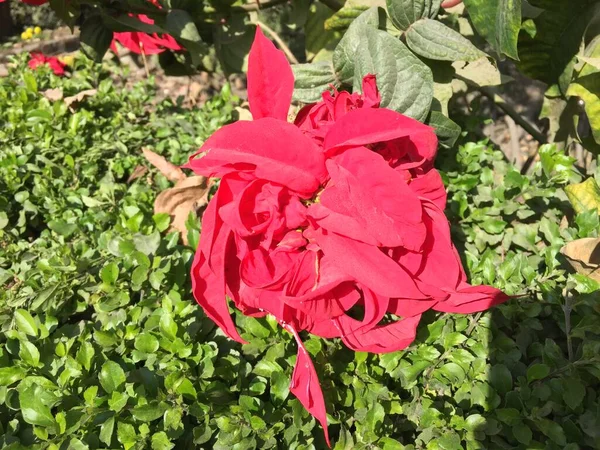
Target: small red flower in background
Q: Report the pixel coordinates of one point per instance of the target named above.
(144, 43)
(39, 59)
(341, 210)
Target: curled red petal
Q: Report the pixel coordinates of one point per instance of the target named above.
(270, 80)
(208, 271)
(305, 385)
(370, 125)
(269, 149)
(368, 265)
(380, 339)
(471, 299)
(367, 190)
(431, 187)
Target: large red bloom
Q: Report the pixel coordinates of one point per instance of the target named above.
(340, 211)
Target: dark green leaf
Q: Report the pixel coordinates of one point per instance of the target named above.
(405, 83)
(434, 40)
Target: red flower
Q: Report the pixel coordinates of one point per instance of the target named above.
(39, 59)
(341, 210)
(144, 43)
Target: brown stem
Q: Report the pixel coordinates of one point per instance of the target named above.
(567, 310)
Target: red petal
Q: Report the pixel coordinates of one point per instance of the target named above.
(368, 265)
(378, 202)
(431, 187)
(306, 387)
(208, 283)
(270, 80)
(471, 299)
(384, 339)
(267, 148)
(370, 125)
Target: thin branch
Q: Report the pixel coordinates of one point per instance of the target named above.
(501, 103)
(290, 56)
(567, 310)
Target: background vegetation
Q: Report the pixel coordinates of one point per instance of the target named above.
(101, 342)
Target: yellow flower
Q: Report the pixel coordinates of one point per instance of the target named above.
(67, 60)
(37, 30)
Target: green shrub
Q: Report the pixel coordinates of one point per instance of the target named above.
(102, 345)
(30, 16)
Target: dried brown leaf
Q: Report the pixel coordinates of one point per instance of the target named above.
(79, 97)
(53, 95)
(169, 170)
(584, 256)
(138, 172)
(188, 195)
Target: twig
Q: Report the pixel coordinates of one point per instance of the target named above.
(288, 53)
(144, 59)
(567, 310)
(501, 103)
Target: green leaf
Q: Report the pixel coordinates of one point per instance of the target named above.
(343, 18)
(522, 433)
(573, 392)
(111, 376)
(106, 430)
(501, 378)
(498, 21)
(446, 130)
(146, 343)
(160, 441)
(537, 372)
(25, 322)
(475, 422)
(34, 411)
(147, 244)
(559, 32)
(168, 327)
(149, 412)
(344, 54)
(280, 386)
(587, 88)
(62, 227)
(110, 273)
(162, 221)
(434, 40)
(181, 26)
(3, 220)
(30, 82)
(479, 73)
(553, 430)
(406, 12)
(493, 226)
(95, 38)
(126, 434)
(311, 80)
(405, 83)
(10, 375)
(29, 353)
(584, 196)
